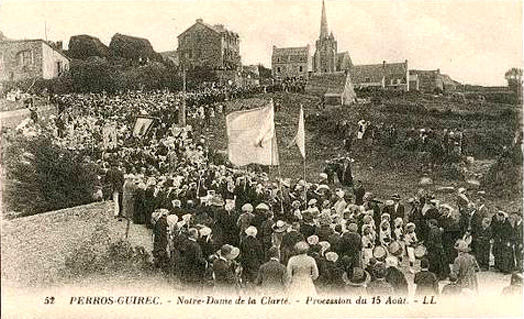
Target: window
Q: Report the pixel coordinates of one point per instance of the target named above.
(278, 69)
(300, 69)
(59, 68)
(368, 80)
(25, 58)
(278, 59)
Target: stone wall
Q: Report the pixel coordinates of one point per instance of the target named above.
(200, 46)
(13, 67)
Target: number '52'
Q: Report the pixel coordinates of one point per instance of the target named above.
(49, 300)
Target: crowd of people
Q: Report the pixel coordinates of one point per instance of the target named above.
(230, 229)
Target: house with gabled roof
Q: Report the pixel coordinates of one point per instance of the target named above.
(384, 75)
(333, 88)
(208, 45)
(28, 59)
(291, 62)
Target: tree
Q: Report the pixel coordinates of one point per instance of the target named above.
(514, 78)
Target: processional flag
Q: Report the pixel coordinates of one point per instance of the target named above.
(251, 136)
(300, 138)
(142, 126)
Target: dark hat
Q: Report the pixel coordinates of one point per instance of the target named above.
(360, 277)
(379, 270)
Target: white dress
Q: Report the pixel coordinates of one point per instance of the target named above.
(302, 270)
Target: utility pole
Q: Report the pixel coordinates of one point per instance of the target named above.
(182, 113)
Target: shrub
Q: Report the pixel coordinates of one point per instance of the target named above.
(100, 255)
(43, 177)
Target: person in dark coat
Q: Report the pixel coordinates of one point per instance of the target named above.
(350, 244)
(426, 281)
(359, 192)
(502, 242)
(289, 240)
(379, 286)
(483, 245)
(307, 226)
(252, 255)
(266, 230)
(435, 251)
(160, 242)
(224, 276)
(334, 273)
(272, 277)
(193, 263)
(225, 227)
(149, 203)
(397, 211)
(139, 216)
(395, 277)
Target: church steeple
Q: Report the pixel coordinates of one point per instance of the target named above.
(323, 23)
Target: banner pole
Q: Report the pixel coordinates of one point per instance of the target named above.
(280, 190)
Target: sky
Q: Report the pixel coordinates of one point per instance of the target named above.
(473, 41)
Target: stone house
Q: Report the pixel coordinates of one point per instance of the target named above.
(209, 45)
(291, 62)
(385, 76)
(26, 59)
(333, 88)
(432, 81)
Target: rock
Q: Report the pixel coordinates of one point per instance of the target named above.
(133, 48)
(426, 181)
(84, 46)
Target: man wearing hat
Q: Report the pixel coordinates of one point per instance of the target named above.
(245, 219)
(225, 230)
(359, 192)
(379, 286)
(356, 285)
(289, 240)
(397, 210)
(223, 273)
(160, 242)
(350, 244)
(465, 267)
(395, 277)
(252, 255)
(193, 263)
(273, 276)
(307, 225)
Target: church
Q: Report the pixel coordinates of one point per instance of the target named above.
(297, 62)
(326, 58)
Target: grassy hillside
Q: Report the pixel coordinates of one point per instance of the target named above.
(386, 170)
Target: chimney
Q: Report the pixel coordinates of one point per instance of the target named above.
(199, 20)
(438, 71)
(60, 45)
(384, 64)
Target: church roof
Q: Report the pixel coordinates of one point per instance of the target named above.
(291, 50)
(327, 83)
(343, 61)
(376, 72)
